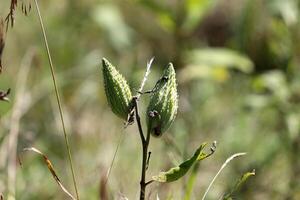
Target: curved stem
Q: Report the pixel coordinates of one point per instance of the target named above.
(57, 97)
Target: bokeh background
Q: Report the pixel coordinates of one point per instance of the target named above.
(237, 64)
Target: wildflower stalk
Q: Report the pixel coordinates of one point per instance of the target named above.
(145, 141)
(57, 97)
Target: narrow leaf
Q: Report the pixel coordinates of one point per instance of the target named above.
(238, 185)
(51, 169)
(176, 173)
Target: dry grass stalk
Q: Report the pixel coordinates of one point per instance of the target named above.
(51, 169)
(15, 123)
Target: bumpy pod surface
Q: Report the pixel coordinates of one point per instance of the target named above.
(163, 104)
(117, 91)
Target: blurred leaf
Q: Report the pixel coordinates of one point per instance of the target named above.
(110, 20)
(274, 81)
(238, 184)
(195, 10)
(191, 182)
(220, 57)
(293, 124)
(166, 21)
(51, 169)
(214, 63)
(257, 101)
(176, 173)
(287, 9)
(191, 72)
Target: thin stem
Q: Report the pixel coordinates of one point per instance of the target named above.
(145, 144)
(114, 157)
(57, 97)
(149, 182)
(220, 170)
(148, 160)
(145, 141)
(138, 120)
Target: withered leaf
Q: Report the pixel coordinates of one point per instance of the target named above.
(51, 169)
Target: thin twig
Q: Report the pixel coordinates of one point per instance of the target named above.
(220, 170)
(114, 157)
(57, 97)
(149, 182)
(148, 160)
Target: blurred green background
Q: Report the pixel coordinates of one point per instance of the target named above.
(237, 64)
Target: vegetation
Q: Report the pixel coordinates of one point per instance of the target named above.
(237, 69)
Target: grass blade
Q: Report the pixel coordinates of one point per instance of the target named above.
(220, 170)
(57, 97)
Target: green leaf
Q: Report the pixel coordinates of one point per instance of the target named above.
(176, 173)
(214, 63)
(238, 184)
(195, 11)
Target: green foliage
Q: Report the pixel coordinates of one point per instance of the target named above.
(214, 63)
(178, 172)
(238, 185)
(257, 110)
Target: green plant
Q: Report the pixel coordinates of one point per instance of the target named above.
(161, 112)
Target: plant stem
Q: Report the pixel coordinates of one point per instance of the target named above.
(145, 141)
(145, 144)
(57, 97)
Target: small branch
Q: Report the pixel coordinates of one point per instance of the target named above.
(149, 182)
(220, 170)
(148, 160)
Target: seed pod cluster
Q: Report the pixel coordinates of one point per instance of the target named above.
(117, 91)
(163, 105)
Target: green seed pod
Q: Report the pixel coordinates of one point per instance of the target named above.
(163, 105)
(117, 91)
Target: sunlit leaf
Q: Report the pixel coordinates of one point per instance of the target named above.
(109, 18)
(176, 173)
(195, 10)
(274, 81)
(214, 63)
(221, 57)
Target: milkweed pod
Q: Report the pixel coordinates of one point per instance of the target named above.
(163, 105)
(117, 91)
